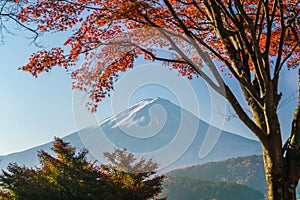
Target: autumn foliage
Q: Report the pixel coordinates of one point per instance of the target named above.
(123, 30)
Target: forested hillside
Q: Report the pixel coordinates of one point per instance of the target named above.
(247, 170)
(242, 170)
(179, 188)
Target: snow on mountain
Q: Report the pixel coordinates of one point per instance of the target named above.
(129, 118)
(151, 128)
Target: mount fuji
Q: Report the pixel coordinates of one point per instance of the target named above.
(152, 128)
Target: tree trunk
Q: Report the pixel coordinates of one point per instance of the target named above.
(280, 181)
(274, 174)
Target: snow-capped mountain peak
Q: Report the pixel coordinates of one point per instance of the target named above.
(140, 114)
(156, 127)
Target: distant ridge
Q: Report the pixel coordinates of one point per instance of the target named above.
(179, 188)
(245, 170)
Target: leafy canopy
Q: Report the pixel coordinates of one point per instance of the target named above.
(250, 38)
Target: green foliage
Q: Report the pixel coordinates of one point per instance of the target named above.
(70, 176)
(6, 194)
(125, 161)
(178, 188)
(242, 170)
(248, 170)
(136, 179)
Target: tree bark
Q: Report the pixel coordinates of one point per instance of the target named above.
(282, 164)
(281, 176)
(274, 169)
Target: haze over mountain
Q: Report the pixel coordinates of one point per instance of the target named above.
(152, 128)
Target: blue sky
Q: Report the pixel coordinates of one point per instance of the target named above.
(34, 110)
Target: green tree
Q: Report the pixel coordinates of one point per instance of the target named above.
(6, 194)
(137, 179)
(70, 176)
(67, 176)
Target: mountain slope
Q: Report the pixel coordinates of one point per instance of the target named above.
(178, 188)
(248, 170)
(172, 135)
(29, 156)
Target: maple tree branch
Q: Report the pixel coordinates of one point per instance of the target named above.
(34, 31)
(191, 38)
(250, 92)
(241, 79)
(287, 57)
(257, 15)
(243, 41)
(187, 60)
(9, 12)
(2, 7)
(244, 45)
(225, 36)
(228, 93)
(278, 65)
(83, 5)
(238, 70)
(260, 30)
(195, 25)
(184, 3)
(295, 33)
(154, 57)
(263, 77)
(268, 23)
(273, 13)
(227, 13)
(269, 34)
(243, 115)
(232, 12)
(191, 63)
(293, 20)
(206, 58)
(215, 17)
(195, 4)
